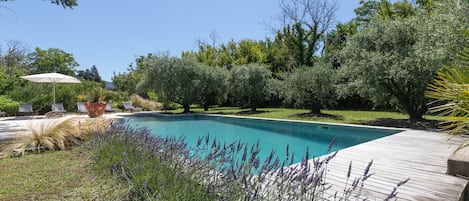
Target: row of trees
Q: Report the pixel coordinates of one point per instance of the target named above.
(186, 81)
(387, 55)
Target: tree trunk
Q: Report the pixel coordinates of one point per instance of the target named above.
(186, 108)
(315, 110)
(414, 117)
(253, 109)
(206, 106)
(315, 107)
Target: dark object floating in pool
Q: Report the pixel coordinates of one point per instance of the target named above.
(324, 127)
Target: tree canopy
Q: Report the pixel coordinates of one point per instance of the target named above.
(52, 60)
(248, 84)
(398, 58)
(310, 87)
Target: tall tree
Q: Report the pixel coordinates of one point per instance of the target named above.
(14, 57)
(91, 74)
(397, 59)
(52, 60)
(309, 20)
(63, 3)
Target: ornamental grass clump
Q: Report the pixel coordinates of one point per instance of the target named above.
(165, 168)
(145, 104)
(57, 134)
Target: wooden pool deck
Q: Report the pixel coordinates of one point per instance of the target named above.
(420, 155)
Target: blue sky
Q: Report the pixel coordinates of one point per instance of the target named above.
(111, 34)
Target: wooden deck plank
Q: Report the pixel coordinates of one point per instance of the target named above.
(420, 155)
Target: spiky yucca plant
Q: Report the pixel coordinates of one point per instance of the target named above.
(451, 91)
(57, 134)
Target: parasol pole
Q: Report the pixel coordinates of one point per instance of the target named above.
(54, 91)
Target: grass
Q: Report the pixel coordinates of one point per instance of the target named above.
(59, 175)
(334, 116)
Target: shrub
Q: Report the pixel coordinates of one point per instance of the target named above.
(138, 101)
(9, 106)
(160, 168)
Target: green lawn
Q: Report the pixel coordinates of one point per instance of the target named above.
(335, 116)
(60, 175)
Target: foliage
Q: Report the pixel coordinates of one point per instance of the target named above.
(7, 105)
(56, 134)
(173, 79)
(310, 87)
(40, 94)
(233, 53)
(158, 168)
(392, 58)
(183, 81)
(14, 58)
(127, 82)
(63, 3)
(52, 60)
(451, 91)
(305, 23)
(213, 85)
(248, 84)
(336, 40)
(91, 74)
(149, 105)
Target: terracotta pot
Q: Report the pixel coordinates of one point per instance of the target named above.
(95, 109)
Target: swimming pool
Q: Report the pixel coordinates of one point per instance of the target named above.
(271, 134)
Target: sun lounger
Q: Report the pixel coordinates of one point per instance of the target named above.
(81, 108)
(109, 108)
(130, 107)
(26, 109)
(58, 108)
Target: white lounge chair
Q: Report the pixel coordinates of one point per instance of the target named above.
(81, 108)
(109, 108)
(130, 107)
(26, 109)
(58, 108)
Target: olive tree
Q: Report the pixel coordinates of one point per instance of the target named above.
(173, 79)
(213, 85)
(397, 59)
(183, 81)
(310, 87)
(248, 84)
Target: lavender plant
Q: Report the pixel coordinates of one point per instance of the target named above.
(165, 168)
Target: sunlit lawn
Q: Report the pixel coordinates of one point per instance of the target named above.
(60, 175)
(336, 116)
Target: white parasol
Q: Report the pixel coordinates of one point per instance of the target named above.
(51, 78)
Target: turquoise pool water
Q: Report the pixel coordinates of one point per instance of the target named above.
(271, 134)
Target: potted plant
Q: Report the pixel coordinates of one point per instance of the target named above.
(95, 107)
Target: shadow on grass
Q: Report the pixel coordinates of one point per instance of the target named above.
(423, 124)
(243, 112)
(314, 115)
